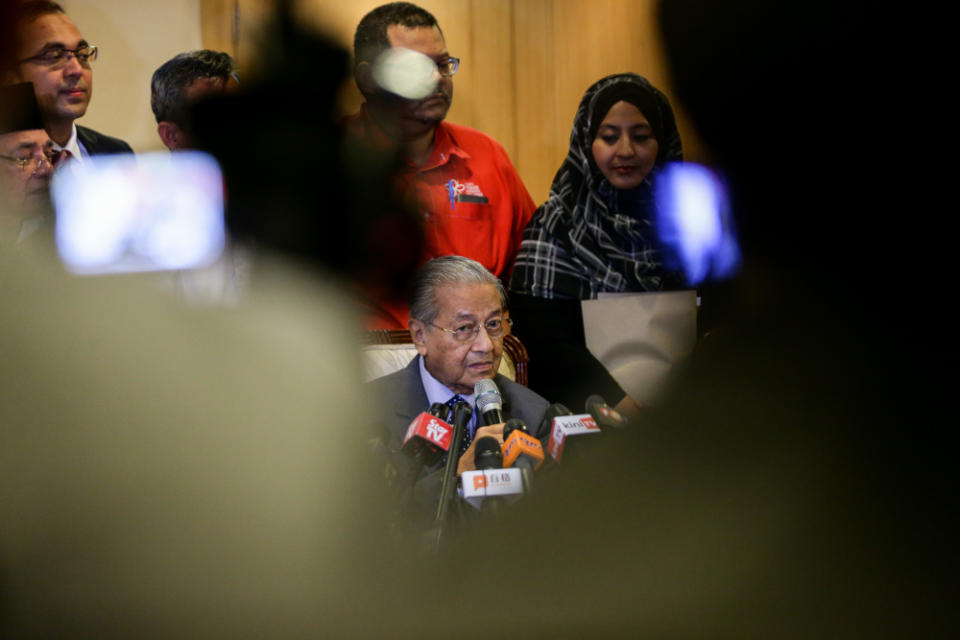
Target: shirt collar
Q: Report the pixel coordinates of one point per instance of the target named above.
(444, 146)
(363, 126)
(73, 145)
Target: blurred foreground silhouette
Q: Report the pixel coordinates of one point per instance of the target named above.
(169, 472)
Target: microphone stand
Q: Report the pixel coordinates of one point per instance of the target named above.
(461, 415)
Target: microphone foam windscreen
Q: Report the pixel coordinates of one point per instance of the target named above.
(488, 395)
(514, 424)
(487, 453)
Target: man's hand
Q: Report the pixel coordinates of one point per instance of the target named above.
(466, 460)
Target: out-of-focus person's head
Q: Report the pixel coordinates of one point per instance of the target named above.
(25, 150)
(766, 85)
(182, 81)
(402, 24)
(457, 321)
(8, 20)
(318, 207)
(52, 54)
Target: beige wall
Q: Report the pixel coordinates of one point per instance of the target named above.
(135, 37)
(525, 63)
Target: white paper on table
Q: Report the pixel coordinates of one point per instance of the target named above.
(641, 337)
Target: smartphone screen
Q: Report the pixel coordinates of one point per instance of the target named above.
(150, 212)
(694, 223)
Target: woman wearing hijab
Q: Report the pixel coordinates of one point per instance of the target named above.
(593, 235)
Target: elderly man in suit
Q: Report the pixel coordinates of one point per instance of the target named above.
(53, 55)
(26, 164)
(457, 323)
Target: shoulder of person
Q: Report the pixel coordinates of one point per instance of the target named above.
(395, 386)
(468, 137)
(391, 380)
(524, 403)
(520, 392)
(101, 142)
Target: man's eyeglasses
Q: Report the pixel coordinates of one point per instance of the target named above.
(469, 332)
(33, 163)
(448, 67)
(57, 57)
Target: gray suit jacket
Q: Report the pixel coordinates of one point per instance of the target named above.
(400, 397)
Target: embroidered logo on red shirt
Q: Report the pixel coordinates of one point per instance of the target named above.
(465, 192)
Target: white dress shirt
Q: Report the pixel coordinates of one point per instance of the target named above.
(77, 150)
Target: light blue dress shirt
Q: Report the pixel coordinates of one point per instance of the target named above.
(438, 392)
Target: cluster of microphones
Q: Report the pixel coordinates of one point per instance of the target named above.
(504, 473)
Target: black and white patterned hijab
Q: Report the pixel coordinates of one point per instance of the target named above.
(590, 237)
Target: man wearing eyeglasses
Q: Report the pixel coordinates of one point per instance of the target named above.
(457, 321)
(53, 55)
(182, 81)
(26, 163)
(468, 195)
(27, 157)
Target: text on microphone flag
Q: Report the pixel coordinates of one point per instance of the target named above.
(564, 426)
(478, 485)
(577, 424)
(520, 443)
(438, 433)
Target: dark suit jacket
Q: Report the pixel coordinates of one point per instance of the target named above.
(96, 143)
(401, 398)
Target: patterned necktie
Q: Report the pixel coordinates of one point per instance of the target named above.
(467, 438)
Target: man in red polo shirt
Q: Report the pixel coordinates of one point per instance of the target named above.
(466, 192)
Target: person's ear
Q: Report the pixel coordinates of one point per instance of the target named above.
(363, 74)
(170, 134)
(418, 333)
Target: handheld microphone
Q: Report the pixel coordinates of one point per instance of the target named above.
(489, 402)
(511, 425)
(440, 410)
(546, 425)
(566, 424)
(426, 440)
(605, 415)
(428, 436)
(487, 453)
(521, 450)
(490, 485)
(553, 410)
